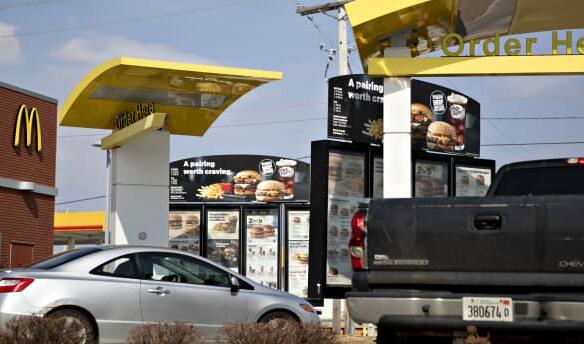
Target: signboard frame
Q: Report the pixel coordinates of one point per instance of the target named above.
(318, 289)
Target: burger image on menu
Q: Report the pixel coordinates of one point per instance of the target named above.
(192, 224)
(175, 222)
(441, 137)
(270, 191)
(421, 119)
(245, 182)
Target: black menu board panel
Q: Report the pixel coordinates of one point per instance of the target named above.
(356, 108)
(239, 178)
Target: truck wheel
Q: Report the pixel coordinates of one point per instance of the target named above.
(386, 336)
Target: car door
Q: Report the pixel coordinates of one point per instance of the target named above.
(177, 287)
(114, 295)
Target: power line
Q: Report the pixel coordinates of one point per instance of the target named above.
(131, 20)
(533, 144)
(31, 4)
(270, 122)
(81, 200)
(510, 118)
(222, 126)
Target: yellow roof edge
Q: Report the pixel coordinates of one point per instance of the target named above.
(147, 63)
(66, 219)
(362, 11)
(87, 79)
(232, 71)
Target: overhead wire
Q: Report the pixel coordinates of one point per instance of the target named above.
(130, 20)
(31, 4)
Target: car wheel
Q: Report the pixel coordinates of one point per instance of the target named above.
(277, 317)
(80, 320)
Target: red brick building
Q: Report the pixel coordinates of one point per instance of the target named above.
(28, 129)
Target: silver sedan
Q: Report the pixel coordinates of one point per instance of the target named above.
(111, 289)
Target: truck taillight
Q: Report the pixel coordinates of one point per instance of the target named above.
(357, 242)
(575, 161)
(14, 285)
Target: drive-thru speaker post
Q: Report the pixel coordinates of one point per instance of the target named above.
(144, 102)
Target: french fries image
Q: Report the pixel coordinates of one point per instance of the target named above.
(374, 128)
(213, 191)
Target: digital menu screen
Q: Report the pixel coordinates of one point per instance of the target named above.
(346, 188)
(298, 235)
(472, 181)
(431, 179)
(184, 229)
(262, 246)
(377, 177)
(223, 237)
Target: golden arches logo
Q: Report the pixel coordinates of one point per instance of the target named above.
(30, 118)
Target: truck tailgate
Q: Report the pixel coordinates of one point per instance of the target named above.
(481, 235)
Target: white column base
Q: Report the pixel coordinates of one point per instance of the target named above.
(138, 197)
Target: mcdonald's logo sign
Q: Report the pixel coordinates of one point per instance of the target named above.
(31, 119)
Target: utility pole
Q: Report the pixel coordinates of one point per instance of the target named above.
(342, 19)
(343, 61)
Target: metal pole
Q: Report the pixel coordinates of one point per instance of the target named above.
(343, 50)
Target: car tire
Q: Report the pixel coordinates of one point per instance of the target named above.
(277, 316)
(81, 319)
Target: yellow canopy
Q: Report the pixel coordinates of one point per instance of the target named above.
(192, 96)
(430, 20)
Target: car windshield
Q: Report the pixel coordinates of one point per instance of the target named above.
(62, 258)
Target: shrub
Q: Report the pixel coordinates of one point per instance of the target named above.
(281, 332)
(165, 333)
(38, 330)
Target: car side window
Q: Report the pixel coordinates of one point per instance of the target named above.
(120, 267)
(177, 268)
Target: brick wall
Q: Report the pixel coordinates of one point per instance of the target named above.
(26, 217)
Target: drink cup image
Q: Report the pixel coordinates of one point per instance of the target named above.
(457, 117)
(286, 171)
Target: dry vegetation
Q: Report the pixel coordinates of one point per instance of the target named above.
(37, 330)
(283, 332)
(165, 333)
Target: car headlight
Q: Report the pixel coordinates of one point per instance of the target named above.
(307, 307)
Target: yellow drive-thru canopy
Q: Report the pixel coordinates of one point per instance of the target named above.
(426, 22)
(123, 89)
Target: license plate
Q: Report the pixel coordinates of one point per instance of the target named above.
(487, 309)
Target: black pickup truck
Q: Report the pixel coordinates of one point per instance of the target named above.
(509, 264)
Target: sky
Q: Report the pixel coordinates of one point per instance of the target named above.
(47, 46)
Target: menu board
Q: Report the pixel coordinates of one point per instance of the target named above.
(431, 179)
(239, 178)
(262, 246)
(472, 181)
(377, 177)
(356, 108)
(442, 119)
(346, 187)
(184, 229)
(223, 237)
(298, 234)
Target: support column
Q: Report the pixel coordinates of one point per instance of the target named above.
(397, 141)
(138, 191)
(70, 243)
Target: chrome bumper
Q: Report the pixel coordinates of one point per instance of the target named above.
(371, 307)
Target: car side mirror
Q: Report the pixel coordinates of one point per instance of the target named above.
(234, 283)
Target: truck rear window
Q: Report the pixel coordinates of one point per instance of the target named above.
(560, 180)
